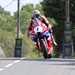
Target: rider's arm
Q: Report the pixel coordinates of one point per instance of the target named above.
(29, 29)
(53, 39)
(30, 25)
(44, 19)
(50, 28)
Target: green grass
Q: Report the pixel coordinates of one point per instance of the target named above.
(7, 41)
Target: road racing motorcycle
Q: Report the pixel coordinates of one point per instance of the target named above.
(42, 39)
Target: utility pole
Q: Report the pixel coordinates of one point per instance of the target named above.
(18, 44)
(67, 32)
(18, 18)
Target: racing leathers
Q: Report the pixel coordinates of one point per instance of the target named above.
(43, 22)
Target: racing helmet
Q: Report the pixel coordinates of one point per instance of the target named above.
(36, 13)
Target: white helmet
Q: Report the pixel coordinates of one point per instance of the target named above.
(35, 12)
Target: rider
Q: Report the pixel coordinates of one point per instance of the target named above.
(47, 32)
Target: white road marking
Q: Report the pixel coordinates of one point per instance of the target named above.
(17, 61)
(22, 58)
(1, 69)
(10, 64)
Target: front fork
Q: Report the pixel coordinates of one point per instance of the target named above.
(44, 41)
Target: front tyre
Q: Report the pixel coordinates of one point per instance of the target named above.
(49, 55)
(44, 48)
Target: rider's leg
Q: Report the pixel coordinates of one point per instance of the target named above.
(34, 39)
(50, 46)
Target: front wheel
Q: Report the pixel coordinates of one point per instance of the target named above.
(44, 48)
(49, 55)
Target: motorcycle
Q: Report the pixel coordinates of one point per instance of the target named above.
(42, 41)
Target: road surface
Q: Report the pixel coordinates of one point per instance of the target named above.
(37, 67)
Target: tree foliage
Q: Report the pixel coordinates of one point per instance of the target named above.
(7, 22)
(25, 16)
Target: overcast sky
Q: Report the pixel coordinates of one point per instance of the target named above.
(11, 5)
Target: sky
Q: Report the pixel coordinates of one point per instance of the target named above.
(11, 5)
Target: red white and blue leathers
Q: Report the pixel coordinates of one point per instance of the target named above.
(45, 32)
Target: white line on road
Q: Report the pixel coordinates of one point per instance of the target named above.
(1, 69)
(17, 61)
(10, 64)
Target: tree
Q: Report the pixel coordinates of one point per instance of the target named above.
(25, 16)
(7, 22)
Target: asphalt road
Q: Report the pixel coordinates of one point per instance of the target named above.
(37, 67)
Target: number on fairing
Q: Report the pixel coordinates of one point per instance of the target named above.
(38, 29)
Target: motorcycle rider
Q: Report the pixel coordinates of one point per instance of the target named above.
(47, 32)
